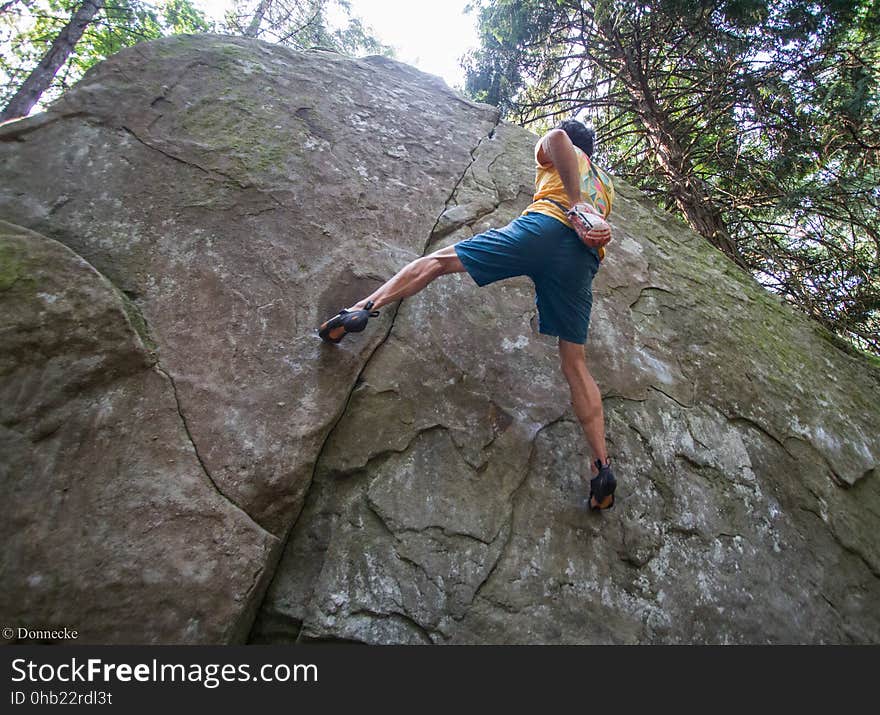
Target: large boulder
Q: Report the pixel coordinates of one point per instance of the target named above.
(216, 198)
(449, 502)
(112, 527)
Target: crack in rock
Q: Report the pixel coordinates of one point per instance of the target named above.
(846, 547)
(210, 173)
(367, 361)
(508, 522)
(401, 618)
(198, 456)
(473, 155)
(376, 457)
(666, 394)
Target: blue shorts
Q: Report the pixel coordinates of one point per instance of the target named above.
(551, 254)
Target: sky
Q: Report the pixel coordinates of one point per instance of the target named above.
(429, 34)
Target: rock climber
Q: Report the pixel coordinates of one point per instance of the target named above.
(541, 244)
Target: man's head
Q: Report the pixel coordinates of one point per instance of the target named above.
(582, 137)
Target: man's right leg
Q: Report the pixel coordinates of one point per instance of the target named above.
(414, 276)
(585, 397)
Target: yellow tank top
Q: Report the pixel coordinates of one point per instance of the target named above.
(596, 187)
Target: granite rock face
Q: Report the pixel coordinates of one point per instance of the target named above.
(111, 527)
(177, 443)
(449, 502)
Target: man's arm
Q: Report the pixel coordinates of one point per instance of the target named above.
(557, 148)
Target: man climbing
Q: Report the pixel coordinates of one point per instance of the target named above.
(541, 244)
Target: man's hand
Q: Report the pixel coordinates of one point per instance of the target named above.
(557, 148)
(592, 229)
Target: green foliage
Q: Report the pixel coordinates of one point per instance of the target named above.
(28, 28)
(758, 121)
(305, 24)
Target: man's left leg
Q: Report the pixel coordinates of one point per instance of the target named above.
(414, 276)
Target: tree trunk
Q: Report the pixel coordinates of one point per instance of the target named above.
(39, 80)
(701, 213)
(254, 28)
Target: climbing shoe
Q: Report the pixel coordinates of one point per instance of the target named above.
(346, 321)
(602, 487)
